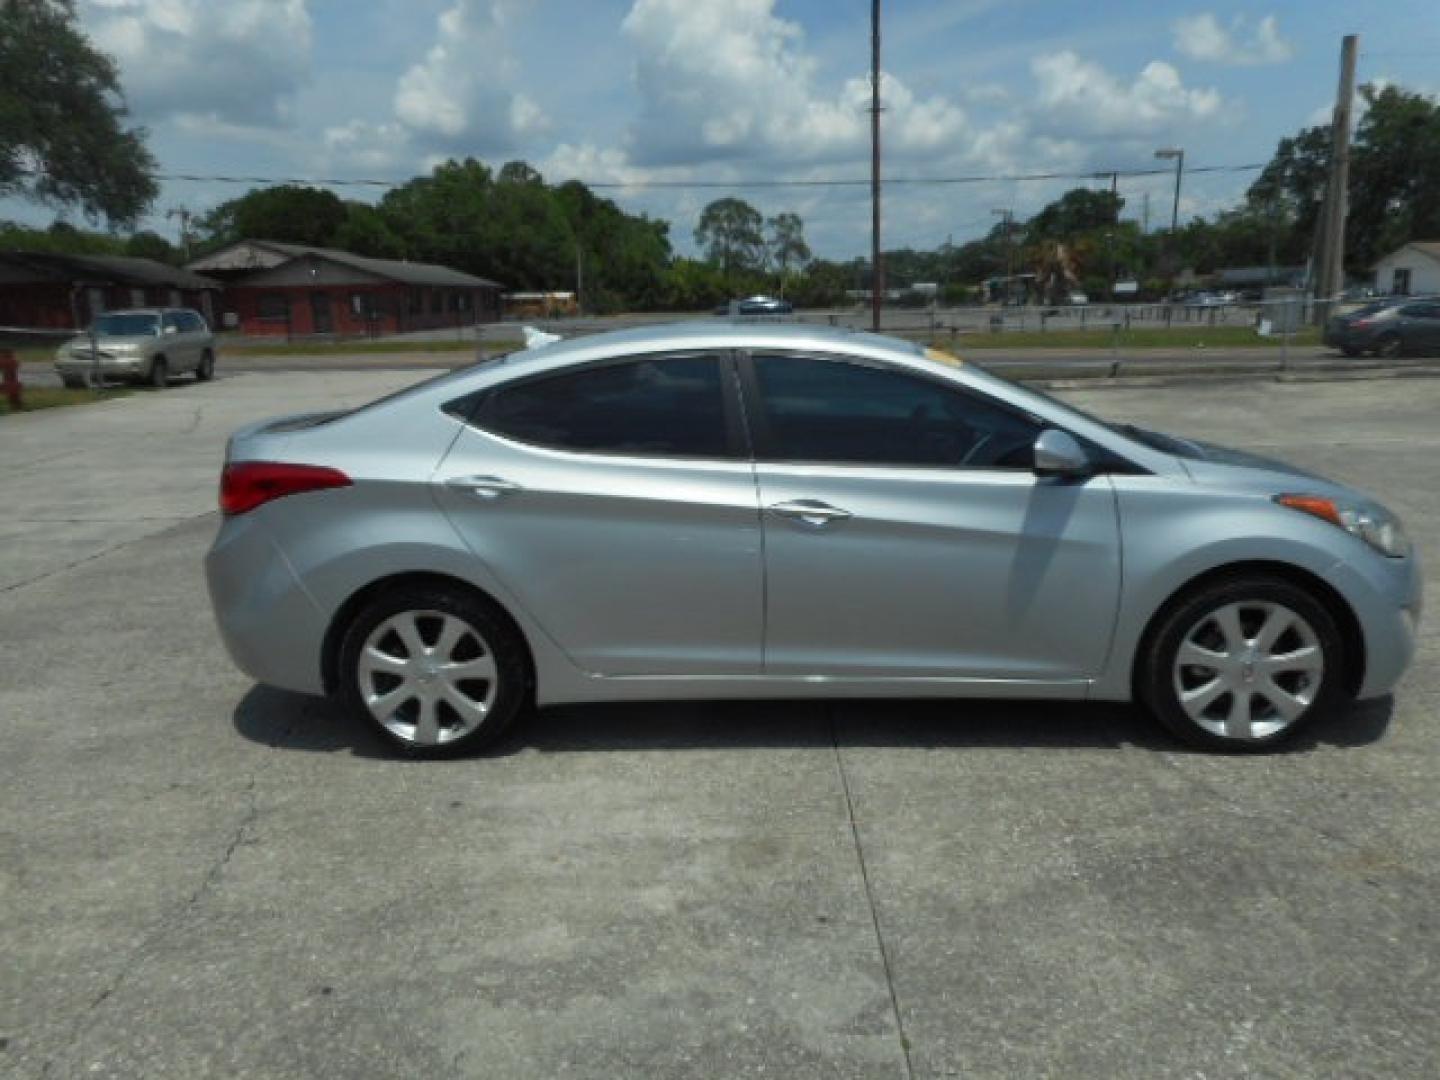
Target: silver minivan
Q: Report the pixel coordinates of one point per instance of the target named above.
(139, 345)
(764, 510)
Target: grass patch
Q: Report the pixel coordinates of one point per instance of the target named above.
(364, 348)
(48, 397)
(1159, 337)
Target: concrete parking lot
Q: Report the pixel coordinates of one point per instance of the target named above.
(202, 877)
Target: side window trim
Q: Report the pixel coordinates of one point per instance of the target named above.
(763, 438)
(469, 407)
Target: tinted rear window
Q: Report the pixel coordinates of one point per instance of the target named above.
(670, 406)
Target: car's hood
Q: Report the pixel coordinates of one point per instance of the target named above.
(1226, 467)
(105, 342)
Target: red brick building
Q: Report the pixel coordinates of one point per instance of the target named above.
(47, 291)
(293, 290)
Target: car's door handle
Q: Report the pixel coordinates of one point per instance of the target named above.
(487, 487)
(810, 512)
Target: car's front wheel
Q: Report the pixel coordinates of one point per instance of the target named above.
(159, 373)
(436, 671)
(205, 370)
(1388, 346)
(1243, 663)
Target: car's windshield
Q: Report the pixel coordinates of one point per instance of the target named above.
(125, 324)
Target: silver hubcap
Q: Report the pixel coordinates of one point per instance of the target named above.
(428, 676)
(1248, 670)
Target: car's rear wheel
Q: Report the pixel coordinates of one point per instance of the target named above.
(159, 373)
(1388, 346)
(205, 370)
(437, 672)
(1350, 350)
(1243, 663)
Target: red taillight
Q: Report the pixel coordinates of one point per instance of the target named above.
(245, 485)
(1361, 324)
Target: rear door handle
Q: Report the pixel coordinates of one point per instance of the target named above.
(486, 487)
(810, 512)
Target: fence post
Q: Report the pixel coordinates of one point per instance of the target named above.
(10, 379)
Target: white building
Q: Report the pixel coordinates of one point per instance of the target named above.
(1414, 270)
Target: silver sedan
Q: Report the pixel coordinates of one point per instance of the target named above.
(730, 511)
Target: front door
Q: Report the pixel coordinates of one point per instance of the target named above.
(617, 504)
(906, 535)
(320, 319)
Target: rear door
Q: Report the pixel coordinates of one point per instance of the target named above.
(618, 503)
(907, 535)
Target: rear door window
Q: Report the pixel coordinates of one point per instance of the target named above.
(670, 406)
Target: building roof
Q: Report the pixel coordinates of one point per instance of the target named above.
(1424, 247)
(107, 269)
(397, 270)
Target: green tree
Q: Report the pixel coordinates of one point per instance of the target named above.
(301, 215)
(787, 242)
(366, 232)
(1079, 210)
(151, 245)
(731, 233)
(63, 138)
(1395, 175)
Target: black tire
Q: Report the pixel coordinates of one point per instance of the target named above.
(514, 682)
(206, 369)
(159, 373)
(1350, 351)
(1389, 346)
(73, 382)
(1156, 675)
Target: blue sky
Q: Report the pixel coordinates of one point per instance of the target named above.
(627, 91)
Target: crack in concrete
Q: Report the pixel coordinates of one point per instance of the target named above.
(869, 893)
(171, 921)
(48, 574)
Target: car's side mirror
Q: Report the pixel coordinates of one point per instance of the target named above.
(1058, 453)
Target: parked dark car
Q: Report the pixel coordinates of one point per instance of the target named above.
(1390, 327)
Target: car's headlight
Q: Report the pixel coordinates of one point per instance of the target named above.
(1371, 522)
(125, 347)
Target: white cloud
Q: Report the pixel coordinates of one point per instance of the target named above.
(460, 99)
(238, 62)
(728, 79)
(1202, 37)
(1079, 97)
(460, 95)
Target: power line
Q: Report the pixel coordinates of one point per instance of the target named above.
(753, 182)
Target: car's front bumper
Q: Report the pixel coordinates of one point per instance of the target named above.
(1386, 596)
(109, 366)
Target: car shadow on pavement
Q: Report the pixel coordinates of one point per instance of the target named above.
(283, 720)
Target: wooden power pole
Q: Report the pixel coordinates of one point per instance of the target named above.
(1330, 243)
(877, 269)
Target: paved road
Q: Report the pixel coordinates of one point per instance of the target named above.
(200, 877)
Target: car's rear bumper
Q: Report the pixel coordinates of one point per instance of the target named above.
(271, 626)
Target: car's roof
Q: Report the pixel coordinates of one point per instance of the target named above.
(724, 334)
(144, 310)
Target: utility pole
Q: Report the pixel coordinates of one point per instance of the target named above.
(877, 269)
(1007, 221)
(579, 280)
(1330, 256)
(1145, 227)
(183, 213)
